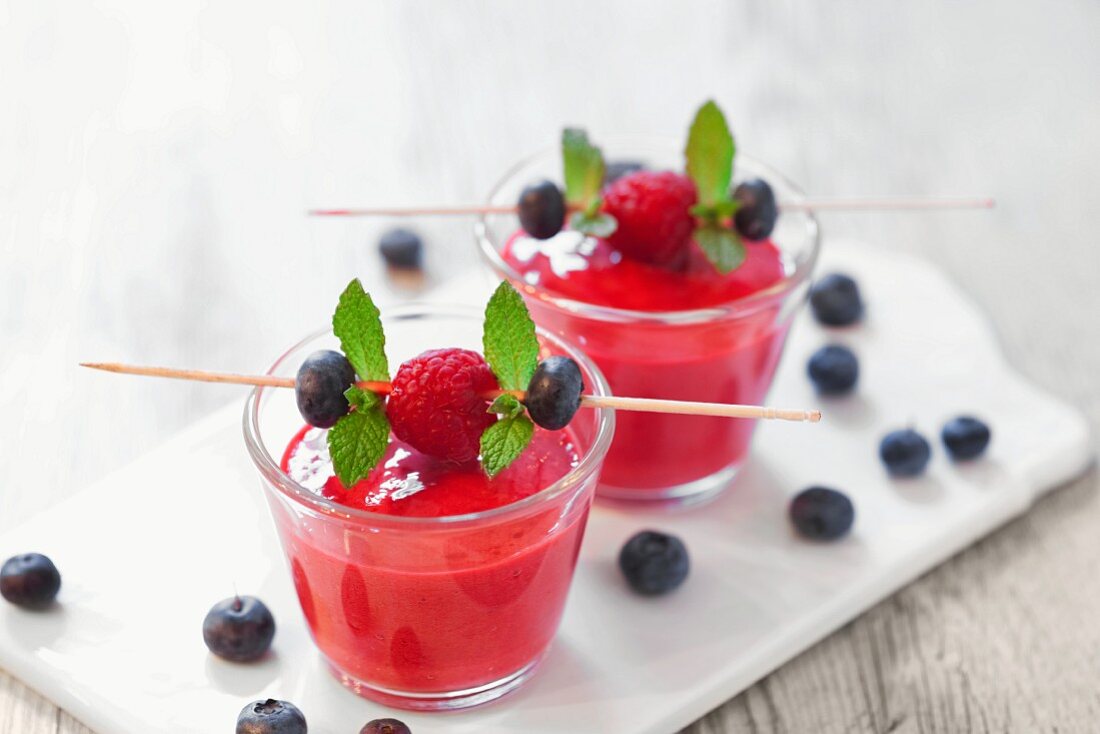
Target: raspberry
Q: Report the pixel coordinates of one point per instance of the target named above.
(438, 403)
(653, 209)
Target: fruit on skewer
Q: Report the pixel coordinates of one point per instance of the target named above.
(654, 216)
(454, 404)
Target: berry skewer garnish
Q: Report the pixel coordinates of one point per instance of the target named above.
(655, 216)
(495, 400)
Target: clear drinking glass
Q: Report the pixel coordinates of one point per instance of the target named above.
(727, 353)
(428, 612)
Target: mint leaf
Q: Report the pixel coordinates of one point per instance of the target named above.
(597, 225)
(361, 399)
(583, 167)
(507, 405)
(511, 348)
(358, 326)
(504, 441)
(723, 247)
(709, 152)
(726, 209)
(358, 440)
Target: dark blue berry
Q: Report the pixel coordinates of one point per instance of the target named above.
(617, 169)
(833, 369)
(554, 393)
(905, 453)
(322, 380)
(30, 581)
(541, 209)
(401, 248)
(965, 437)
(821, 513)
(239, 629)
(654, 563)
(835, 300)
(271, 717)
(757, 213)
(385, 726)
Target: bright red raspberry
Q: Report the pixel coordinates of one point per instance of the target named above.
(438, 403)
(653, 209)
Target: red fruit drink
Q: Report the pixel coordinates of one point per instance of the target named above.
(436, 625)
(682, 332)
(428, 585)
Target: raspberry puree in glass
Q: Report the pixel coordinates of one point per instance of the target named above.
(428, 610)
(727, 356)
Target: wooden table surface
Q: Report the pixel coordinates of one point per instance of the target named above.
(155, 160)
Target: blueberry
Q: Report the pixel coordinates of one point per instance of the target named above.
(835, 300)
(385, 726)
(401, 248)
(271, 717)
(554, 393)
(821, 513)
(965, 437)
(238, 629)
(833, 369)
(756, 215)
(654, 563)
(617, 169)
(905, 453)
(541, 209)
(322, 380)
(30, 581)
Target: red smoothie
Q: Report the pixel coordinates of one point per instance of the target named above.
(421, 610)
(727, 355)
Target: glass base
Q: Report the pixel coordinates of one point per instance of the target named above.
(447, 701)
(694, 492)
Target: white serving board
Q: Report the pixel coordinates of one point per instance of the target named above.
(123, 651)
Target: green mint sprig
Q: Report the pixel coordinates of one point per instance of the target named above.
(504, 441)
(512, 351)
(358, 326)
(710, 151)
(584, 171)
(358, 440)
(509, 342)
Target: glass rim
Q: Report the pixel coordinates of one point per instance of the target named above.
(271, 469)
(736, 307)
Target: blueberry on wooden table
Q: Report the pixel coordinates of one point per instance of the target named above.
(30, 581)
(541, 209)
(554, 393)
(822, 513)
(271, 717)
(401, 248)
(836, 301)
(239, 629)
(757, 209)
(385, 726)
(905, 453)
(654, 563)
(833, 369)
(965, 437)
(320, 385)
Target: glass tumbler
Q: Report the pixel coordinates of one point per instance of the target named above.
(428, 613)
(726, 353)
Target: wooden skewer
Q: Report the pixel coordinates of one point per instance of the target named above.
(886, 203)
(890, 203)
(646, 405)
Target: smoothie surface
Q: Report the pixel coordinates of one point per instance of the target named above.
(590, 270)
(409, 483)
